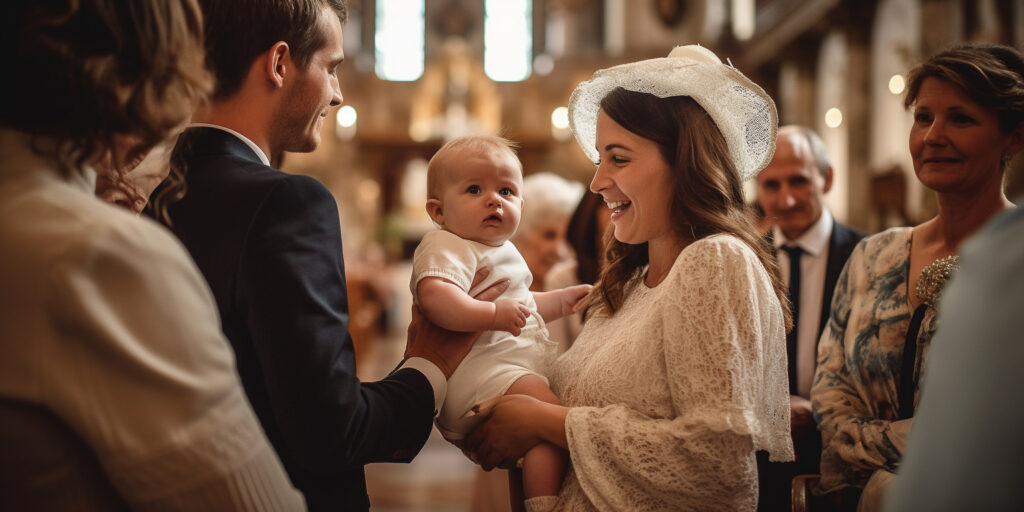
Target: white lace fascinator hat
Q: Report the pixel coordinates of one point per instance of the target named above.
(744, 113)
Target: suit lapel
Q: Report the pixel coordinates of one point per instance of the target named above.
(840, 245)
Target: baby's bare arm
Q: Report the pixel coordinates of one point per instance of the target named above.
(558, 303)
(448, 306)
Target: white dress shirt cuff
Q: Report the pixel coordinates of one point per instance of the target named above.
(433, 374)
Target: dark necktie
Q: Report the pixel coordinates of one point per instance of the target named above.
(794, 253)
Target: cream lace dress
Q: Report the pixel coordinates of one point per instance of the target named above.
(670, 397)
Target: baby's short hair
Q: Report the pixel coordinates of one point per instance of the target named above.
(441, 162)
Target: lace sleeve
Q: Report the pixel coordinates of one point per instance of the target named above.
(724, 358)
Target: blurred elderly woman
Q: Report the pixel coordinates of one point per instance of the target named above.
(968, 107)
(117, 388)
(587, 229)
(541, 237)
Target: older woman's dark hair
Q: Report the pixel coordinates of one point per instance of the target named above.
(89, 69)
(991, 75)
(707, 194)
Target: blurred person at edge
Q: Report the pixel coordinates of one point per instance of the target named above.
(968, 109)
(541, 237)
(587, 233)
(117, 388)
(791, 190)
(130, 172)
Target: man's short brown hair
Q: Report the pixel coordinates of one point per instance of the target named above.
(238, 31)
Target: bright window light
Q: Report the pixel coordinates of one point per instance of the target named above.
(398, 40)
(508, 39)
(743, 19)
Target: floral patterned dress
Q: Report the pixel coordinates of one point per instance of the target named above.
(856, 385)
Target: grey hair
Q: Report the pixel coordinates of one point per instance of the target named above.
(817, 148)
(546, 195)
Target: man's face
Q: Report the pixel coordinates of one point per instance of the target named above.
(791, 189)
(311, 91)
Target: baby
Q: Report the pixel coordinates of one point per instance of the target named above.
(474, 185)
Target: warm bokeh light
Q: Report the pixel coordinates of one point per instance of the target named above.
(347, 116)
(560, 124)
(560, 118)
(543, 64)
(419, 131)
(833, 117)
(897, 84)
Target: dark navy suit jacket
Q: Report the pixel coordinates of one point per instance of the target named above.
(775, 477)
(269, 244)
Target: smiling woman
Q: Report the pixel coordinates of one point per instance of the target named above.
(968, 105)
(679, 373)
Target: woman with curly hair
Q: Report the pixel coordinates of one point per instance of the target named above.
(117, 388)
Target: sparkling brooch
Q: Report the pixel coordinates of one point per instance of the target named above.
(934, 277)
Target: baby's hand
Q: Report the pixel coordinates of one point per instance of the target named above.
(509, 315)
(574, 298)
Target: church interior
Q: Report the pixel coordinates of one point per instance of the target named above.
(419, 72)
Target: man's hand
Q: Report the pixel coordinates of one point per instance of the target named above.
(510, 316)
(445, 348)
(801, 417)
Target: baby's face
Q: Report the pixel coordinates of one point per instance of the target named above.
(480, 198)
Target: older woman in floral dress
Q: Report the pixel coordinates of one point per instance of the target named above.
(968, 106)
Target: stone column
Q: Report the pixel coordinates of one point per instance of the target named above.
(859, 16)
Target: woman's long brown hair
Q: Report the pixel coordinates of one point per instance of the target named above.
(707, 195)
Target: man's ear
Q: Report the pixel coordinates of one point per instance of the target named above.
(277, 63)
(828, 181)
(434, 210)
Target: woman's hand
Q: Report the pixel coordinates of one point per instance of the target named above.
(513, 425)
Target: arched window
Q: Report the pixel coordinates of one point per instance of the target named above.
(508, 39)
(399, 40)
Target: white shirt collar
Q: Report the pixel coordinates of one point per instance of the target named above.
(814, 240)
(252, 145)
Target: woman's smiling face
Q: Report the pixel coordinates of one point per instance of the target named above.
(635, 182)
(956, 144)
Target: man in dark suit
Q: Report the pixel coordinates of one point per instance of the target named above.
(812, 249)
(269, 244)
